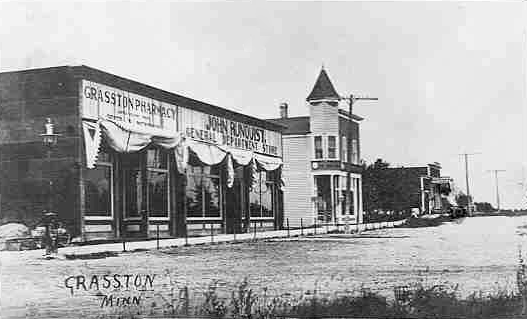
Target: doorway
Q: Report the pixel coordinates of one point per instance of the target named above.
(323, 203)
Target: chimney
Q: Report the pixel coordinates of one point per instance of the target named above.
(283, 110)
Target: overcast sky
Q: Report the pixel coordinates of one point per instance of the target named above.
(450, 76)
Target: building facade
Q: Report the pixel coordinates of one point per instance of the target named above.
(133, 160)
(406, 188)
(322, 160)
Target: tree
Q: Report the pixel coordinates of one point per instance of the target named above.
(461, 199)
(371, 193)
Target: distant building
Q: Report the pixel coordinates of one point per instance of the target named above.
(321, 154)
(406, 188)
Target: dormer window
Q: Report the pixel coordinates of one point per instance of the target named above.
(332, 147)
(319, 151)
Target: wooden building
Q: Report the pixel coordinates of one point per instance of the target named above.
(132, 159)
(322, 159)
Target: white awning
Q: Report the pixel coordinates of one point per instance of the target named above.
(207, 153)
(268, 163)
(120, 139)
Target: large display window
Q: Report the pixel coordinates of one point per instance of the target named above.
(98, 189)
(261, 197)
(204, 192)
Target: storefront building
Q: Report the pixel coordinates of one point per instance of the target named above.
(322, 160)
(133, 160)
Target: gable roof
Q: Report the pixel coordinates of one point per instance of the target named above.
(353, 116)
(294, 125)
(323, 89)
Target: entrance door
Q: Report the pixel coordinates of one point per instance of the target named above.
(323, 202)
(133, 197)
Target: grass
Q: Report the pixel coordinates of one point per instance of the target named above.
(414, 301)
(417, 302)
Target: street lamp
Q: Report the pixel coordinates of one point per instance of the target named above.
(49, 139)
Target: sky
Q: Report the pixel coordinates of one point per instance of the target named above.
(450, 76)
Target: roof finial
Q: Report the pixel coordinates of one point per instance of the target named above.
(322, 65)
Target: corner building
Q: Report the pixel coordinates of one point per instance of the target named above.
(132, 159)
(322, 160)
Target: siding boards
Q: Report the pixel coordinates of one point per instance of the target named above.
(324, 119)
(297, 194)
(347, 128)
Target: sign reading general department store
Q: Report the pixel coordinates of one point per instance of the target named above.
(145, 115)
(224, 132)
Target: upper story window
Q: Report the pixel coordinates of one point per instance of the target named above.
(332, 147)
(344, 149)
(354, 152)
(319, 151)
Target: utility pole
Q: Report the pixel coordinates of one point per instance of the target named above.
(496, 171)
(351, 100)
(469, 198)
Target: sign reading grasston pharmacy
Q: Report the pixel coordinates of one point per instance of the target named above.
(224, 132)
(134, 112)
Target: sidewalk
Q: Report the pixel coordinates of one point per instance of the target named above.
(221, 238)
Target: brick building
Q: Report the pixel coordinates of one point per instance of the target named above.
(321, 159)
(132, 158)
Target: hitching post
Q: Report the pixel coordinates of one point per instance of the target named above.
(301, 226)
(186, 235)
(315, 225)
(288, 233)
(234, 230)
(254, 230)
(212, 233)
(157, 236)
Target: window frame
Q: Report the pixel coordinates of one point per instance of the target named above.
(344, 149)
(355, 151)
(321, 147)
(270, 184)
(334, 148)
(220, 184)
(109, 164)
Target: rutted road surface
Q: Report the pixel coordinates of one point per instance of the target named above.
(479, 254)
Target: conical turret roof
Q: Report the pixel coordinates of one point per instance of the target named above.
(323, 89)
